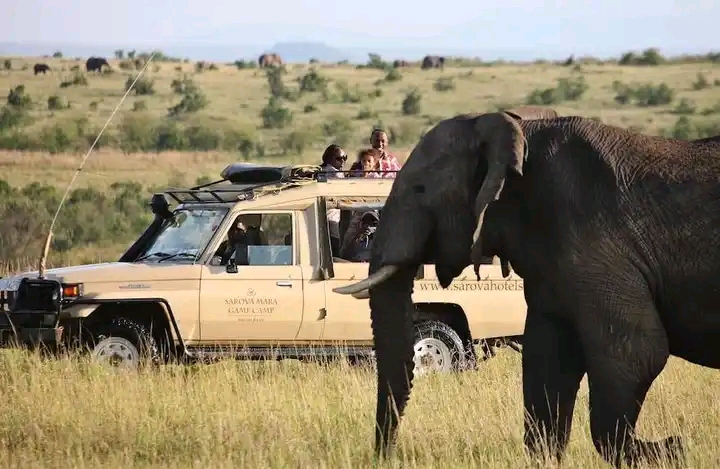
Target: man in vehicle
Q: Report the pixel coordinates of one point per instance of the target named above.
(387, 161)
(359, 237)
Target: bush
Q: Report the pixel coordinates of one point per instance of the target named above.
(684, 107)
(56, 102)
(193, 100)
(393, 75)
(7, 64)
(649, 56)
(143, 86)
(644, 95)
(26, 213)
(275, 115)
(411, 104)
(567, 89)
(444, 84)
(77, 79)
(686, 129)
(296, 142)
(701, 82)
(275, 82)
(18, 99)
(339, 128)
(312, 82)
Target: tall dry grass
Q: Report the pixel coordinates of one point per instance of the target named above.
(69, 413)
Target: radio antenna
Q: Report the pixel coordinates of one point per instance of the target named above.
(46, 248)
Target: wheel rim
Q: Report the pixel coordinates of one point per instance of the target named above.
(117, 351)
(431, 355)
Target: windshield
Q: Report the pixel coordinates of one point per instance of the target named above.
(185, 235)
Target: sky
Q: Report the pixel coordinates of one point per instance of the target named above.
(585, 26)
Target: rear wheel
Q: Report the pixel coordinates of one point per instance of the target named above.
(437, 348)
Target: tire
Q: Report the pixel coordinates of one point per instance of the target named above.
(437, 348)
(123, 343)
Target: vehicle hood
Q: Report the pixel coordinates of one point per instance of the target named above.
(107, 272)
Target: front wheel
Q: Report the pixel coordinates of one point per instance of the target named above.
(123, 343)
(437, 348)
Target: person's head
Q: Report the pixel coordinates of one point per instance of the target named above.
(335, 156)
(379, 139)
(368, 159)
(241, 225)
(370, 219)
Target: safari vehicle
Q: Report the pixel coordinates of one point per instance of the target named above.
(174, 295)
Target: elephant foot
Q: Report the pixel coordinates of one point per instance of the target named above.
(668, 452)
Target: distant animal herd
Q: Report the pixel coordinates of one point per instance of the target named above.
(272, 59)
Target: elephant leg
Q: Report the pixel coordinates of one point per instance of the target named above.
(625, 347)
(552, 367)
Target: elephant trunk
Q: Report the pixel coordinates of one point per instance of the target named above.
(391, 310)
(505, 150)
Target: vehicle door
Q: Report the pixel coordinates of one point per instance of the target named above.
(256, 293)
(348, 319)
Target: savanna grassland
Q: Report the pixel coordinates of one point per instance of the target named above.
(181, 125)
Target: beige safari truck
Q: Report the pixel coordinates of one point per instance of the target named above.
(244, 267)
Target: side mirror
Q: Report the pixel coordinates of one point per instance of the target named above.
(231, 267)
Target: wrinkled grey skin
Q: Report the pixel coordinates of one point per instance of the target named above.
(616, 236)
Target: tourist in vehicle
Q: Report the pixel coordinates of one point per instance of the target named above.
(245, 230)
(359, 236)
(333, 160)
(387, 161)
(367, 164)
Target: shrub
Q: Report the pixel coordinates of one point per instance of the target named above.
(684, 107)
(312, 82)
(567, 89)
(649, 56)
(275, 115)
(139, 106)
(56, 102)
(18, 98)
(701, 82)
(193, 100)
(7, 64)
(444, 84)
(393, 75)
(296, 142)
(77, 79)
(339, 128)
(275, 82)
(411, 104)
(143, 86)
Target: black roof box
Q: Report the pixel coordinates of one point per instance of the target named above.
(251, 173)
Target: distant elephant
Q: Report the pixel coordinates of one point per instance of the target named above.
(400, 63)
(269, 60)
(96, 64)
(432, 61)
(616, 235)
(41, 68)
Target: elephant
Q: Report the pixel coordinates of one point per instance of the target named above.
(432, 61)
(582, 211)
(269, 60)
(400, 63)
(41, 68)
(96, 64)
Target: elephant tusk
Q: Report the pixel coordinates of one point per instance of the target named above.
(363, 295)
(382, 274)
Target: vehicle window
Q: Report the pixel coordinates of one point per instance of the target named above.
(185, 235)
(262, 238)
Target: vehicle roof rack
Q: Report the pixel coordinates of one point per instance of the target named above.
(246, 180)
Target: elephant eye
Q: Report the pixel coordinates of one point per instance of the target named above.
(419, 189)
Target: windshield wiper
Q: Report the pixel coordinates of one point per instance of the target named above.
(178, 254)
(151, 255)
